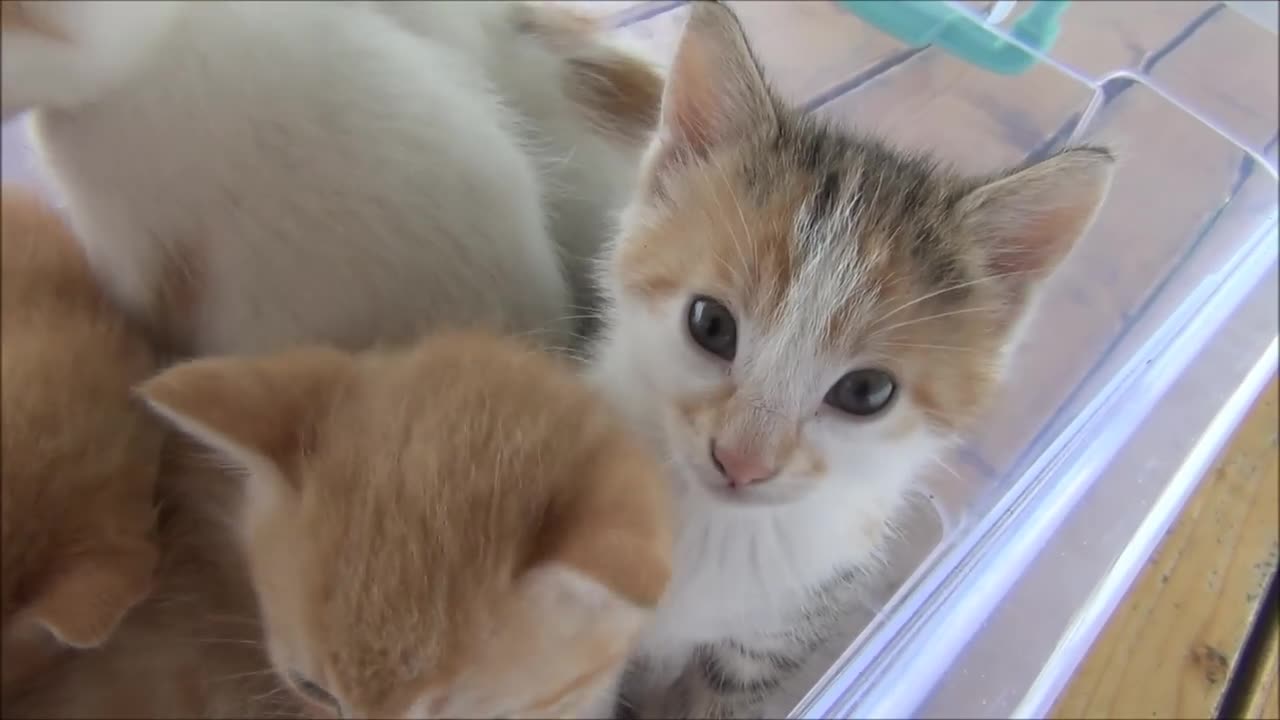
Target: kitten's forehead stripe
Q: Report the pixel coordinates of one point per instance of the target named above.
(868, 207)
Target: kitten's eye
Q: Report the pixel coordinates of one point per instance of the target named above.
(314, 692)
(863, 392)
(712, 326)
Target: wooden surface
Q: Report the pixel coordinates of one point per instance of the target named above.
(1176, 641)
(1262, 694)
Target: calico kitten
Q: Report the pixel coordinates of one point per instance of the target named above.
(79, 457)
(193, 648)
(455, 530)
(247, 176)
(802, 318)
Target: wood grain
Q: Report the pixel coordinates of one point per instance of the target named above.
(1171, 647)
(1262, 699)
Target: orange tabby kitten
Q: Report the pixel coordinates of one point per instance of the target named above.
(460, 529)
(193, 648)
(79, 453)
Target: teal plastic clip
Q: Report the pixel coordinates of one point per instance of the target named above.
(930, 22)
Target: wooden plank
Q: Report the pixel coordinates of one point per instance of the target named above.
(1228, 71)
(1263, 699)
(1175, 640)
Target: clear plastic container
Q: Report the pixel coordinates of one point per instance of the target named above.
(1151, 342)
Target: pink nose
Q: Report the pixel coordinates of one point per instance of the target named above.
(739, 468)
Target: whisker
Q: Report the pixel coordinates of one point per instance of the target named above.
(950, 288)
(737, 241)
(239, 676)
(915, 321)
(733, 195)
(921, 346)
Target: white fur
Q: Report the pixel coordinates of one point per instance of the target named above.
(328, 173)
(589, 176)
(743, 568)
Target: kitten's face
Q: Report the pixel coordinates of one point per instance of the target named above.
(806, 307)
(457, 531)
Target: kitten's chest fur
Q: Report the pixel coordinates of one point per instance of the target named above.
(746, 571)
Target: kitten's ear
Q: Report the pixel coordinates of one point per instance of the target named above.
(715, 89)
(1028, 221)
(81, 603)
(618, 531)
(258, 412)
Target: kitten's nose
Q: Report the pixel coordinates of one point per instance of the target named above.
(739, 468)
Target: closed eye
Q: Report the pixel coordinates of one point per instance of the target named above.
(314, 692)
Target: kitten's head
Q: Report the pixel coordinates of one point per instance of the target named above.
(79, 454)
(460, 530)
(801, 303)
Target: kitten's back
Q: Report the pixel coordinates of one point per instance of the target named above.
(256, 174)
(79, 455)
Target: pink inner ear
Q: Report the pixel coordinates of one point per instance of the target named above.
(1030, 221)
(689, 112)
(1035, 244)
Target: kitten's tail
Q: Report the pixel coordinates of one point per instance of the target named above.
(67, 53)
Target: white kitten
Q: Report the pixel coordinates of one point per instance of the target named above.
(588, 107)
(248, 175)
(801, 319)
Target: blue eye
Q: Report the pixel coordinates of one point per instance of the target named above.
(712, 326)
(862, 393)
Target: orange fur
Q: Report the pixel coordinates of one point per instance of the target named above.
(193, 648)
(458, 529)
(79, 454)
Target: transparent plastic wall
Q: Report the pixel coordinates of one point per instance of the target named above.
(1149, 344)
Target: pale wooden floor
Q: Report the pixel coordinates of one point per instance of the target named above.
(1176, 641)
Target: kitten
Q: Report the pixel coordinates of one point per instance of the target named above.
(459, 529)
(585, 103)
(247, 176)
(79, 457)
(801, 320)
(193, 648)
